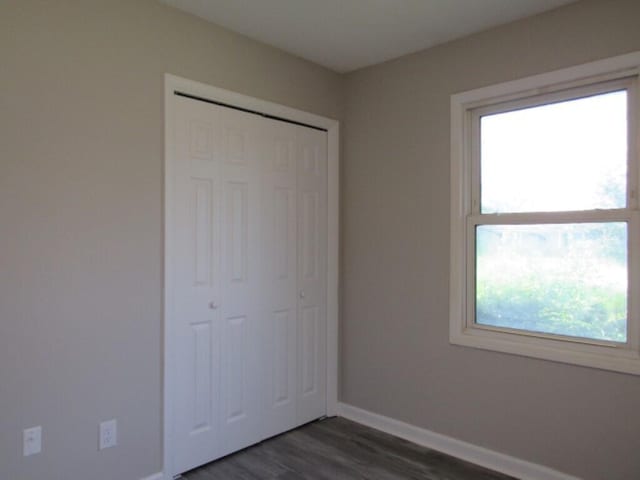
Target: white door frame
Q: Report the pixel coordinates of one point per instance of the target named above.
(201, 90)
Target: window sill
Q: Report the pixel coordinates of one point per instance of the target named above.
(618, 358)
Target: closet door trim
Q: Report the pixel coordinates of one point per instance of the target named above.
(173, 85)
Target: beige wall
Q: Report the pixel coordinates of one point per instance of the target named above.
(397, 360)
(81, 151)
(81, 155)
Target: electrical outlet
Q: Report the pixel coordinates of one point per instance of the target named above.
(31, 441)
(108, 435)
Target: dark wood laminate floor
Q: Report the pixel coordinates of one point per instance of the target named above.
(338, 449)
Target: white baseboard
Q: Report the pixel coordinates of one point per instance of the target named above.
(484, 457)
(155, 476)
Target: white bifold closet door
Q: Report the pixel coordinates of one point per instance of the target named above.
(249, 263)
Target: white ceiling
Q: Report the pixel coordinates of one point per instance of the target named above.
(345, 35)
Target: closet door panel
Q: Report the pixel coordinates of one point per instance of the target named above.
(196, 187)
(280, 275)
(312, 276)
(217, 277)
(238, 151)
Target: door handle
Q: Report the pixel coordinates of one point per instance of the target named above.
(213, 305)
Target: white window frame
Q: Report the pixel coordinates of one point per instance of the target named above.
(466, 109)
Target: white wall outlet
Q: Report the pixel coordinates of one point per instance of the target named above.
(31, 441)
(108, 435)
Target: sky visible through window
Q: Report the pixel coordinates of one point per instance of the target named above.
(566, 279)
(564, 156)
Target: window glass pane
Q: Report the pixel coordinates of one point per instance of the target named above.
(564, 156)
(566, 279)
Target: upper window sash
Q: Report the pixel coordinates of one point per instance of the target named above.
(560, 93)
